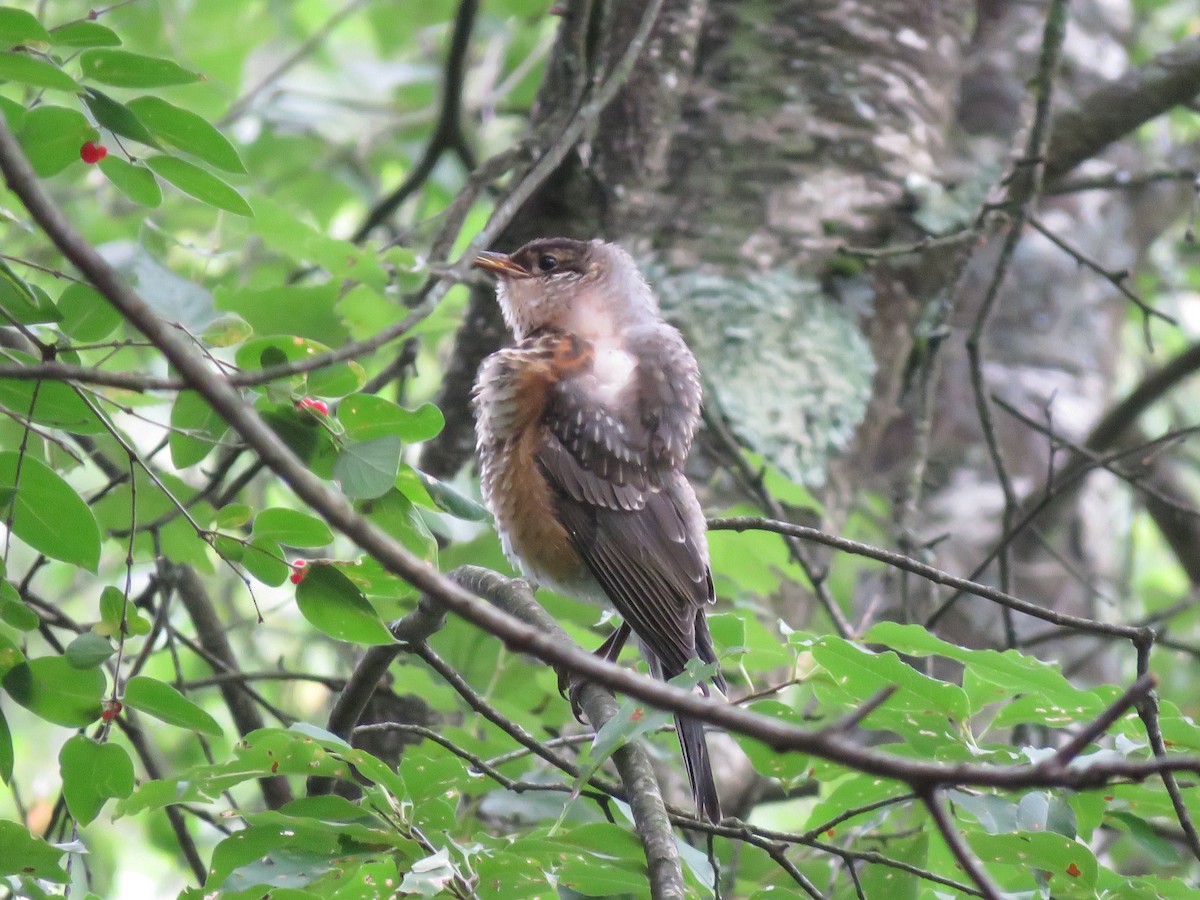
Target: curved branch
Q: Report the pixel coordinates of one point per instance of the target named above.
(1117, 108)
(447, 134)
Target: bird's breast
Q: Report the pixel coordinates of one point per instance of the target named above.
(612, 374)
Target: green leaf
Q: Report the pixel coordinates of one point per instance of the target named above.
(44, 502)
(20, 301)
(188, 132)
(233, 515)
(160, 700)
(199, 429)
(84, 34)
(368, 469)
(87, 316)
(334, 606)
(23, 854)
(53, 689)
(228, 330)
(121, 68)
(1156, 847)
(92, 774)
(135, 182)
(57, 403)
(303, 310)
(88, 651)
(27, 69)
(6, 750)
(117, 117)
(395, 514)
(336, 381)
(448, 499)
(13, 112)
(14, 611)
(10, 655)
(52, 136)
(20, 27)
(896, 884)
(366, 417)
(264, 560)
(195, 182)
(1071, 865)
(112, 606)
(863, 674)
(292, 528)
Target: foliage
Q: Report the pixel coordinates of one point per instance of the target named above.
(156, 583)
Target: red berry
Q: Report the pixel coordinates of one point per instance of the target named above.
(112, 709)
(298, 572)
(91, 152)
(317, 406)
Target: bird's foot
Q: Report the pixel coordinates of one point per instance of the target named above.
(569, 686)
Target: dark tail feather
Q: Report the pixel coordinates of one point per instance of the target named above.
(699, 769)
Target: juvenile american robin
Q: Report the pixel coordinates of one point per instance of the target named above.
(583, 428)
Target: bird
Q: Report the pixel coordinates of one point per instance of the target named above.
(583, 426)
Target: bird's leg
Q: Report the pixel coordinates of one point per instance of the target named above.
(569, 684)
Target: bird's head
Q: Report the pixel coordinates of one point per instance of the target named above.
(591, 288)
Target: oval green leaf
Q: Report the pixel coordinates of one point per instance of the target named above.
(187, 131)
(54, 403)
(233, 515)
(88, 651)
(44, 503)
(121, 68)
(86, 316)
(160, 700)
(292, 528)
(17, 26)
(52, 136)
(135, 182)
(117, 117)
(6, 750)
(366, 416)
(22, 303)
(204, 186)
(30, 70)
(334, 606)
(52, 689)
(92, 774)
(197, 426)
(368, 469)
(264, 560)
(446, 498)
(84, 34)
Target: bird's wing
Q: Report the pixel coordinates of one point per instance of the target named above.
(634, 520)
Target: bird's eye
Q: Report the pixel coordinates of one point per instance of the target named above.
(547, 262)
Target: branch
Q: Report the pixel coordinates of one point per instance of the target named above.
(949, 831)
(447, 135)
(1024, 186)
(1116, 109)
(926, 571)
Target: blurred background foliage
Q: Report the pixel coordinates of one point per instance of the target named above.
(247, 142)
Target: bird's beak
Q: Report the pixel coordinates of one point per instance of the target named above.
(500, 264)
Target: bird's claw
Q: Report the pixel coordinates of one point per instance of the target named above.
(569, 686)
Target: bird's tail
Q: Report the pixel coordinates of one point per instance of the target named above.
(699, 768)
